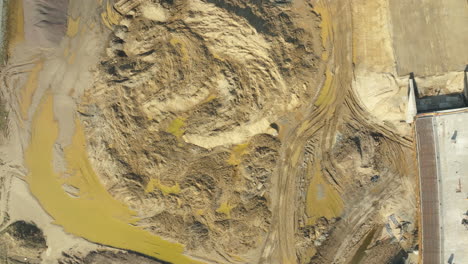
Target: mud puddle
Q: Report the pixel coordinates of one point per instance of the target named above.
(93, 213)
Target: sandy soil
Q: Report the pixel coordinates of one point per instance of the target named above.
(429, 36)
(209, 120)
(383, 46)
(36, 43)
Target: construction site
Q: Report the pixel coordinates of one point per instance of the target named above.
(442, 151)
(233, 131)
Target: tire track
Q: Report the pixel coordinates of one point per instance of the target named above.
(339, 106)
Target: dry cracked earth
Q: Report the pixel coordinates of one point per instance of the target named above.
(236, 131)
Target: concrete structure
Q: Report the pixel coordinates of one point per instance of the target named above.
(411, 110)
(440, 102)
(442, 138)
(452, 146)
(427, 104)
(465, 83)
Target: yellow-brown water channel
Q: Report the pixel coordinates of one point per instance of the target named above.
(93, 214)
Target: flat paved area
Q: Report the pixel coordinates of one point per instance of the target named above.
(429, 36)
(453, 171)
(431, 239)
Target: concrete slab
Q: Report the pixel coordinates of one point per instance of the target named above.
(451, 133)
(429, 36)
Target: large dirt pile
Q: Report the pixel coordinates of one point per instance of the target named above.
(22, 241)
(181, 119)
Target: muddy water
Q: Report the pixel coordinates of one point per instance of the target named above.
(361, 252)
(322, 198)
(93, 213)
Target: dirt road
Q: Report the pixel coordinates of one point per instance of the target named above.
(317, 120)
(308, 137)
(320, 120)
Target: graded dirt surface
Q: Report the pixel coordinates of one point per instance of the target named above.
(214, 131)
(430, 36)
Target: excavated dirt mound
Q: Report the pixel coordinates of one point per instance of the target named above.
(180, 121)
(22, 241)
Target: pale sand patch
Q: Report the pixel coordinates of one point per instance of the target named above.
(235, 136)
(154, 12)
(29, 88)
(382, 94)
(383, 97)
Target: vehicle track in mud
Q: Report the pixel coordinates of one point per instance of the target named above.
(340, 106)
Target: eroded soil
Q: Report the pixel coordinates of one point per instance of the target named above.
(231, 131)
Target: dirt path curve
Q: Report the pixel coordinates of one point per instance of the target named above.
(317, 119)
(320, 120)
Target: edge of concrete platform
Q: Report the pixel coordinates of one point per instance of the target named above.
(439, 185)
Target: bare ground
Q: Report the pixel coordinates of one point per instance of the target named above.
(209, 119)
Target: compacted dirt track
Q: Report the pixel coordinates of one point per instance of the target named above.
(335, 105)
